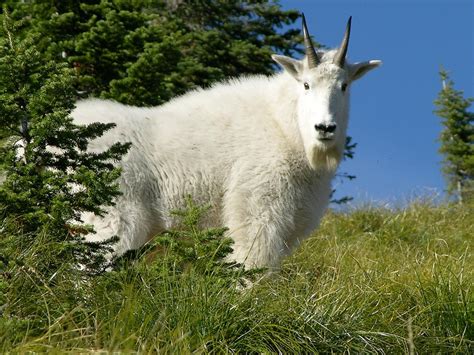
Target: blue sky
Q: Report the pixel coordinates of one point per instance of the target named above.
(392, 107)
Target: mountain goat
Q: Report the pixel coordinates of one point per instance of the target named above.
(261, 150)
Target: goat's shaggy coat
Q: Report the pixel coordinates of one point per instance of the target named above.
(239, 146)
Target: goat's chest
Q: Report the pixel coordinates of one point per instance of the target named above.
(310, 205)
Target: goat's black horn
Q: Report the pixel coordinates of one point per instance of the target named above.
(340, 57)
(313, 59)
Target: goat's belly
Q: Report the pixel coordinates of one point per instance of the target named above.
(204, 190)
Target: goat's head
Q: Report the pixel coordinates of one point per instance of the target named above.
(323, 82)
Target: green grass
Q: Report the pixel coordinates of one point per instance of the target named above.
(372, 280)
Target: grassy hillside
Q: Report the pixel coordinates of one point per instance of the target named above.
(372, 280)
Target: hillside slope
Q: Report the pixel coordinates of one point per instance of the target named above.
(371, 280)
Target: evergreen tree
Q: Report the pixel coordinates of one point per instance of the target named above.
(144, 52)
(457, 139)
(50, 178)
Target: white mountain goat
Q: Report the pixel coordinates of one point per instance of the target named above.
(261, 150)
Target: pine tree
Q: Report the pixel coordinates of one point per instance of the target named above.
(50, 177)
(145, 52)
(457, 139)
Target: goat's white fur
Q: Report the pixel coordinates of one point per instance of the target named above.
(248, 146)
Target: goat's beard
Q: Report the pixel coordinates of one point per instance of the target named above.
(323, 157)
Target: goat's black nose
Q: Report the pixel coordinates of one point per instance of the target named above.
(325, 128)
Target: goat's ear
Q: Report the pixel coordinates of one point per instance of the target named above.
(292, 66)
(358, 70)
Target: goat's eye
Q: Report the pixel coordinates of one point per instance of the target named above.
(344, 87)
(306, 86)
